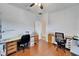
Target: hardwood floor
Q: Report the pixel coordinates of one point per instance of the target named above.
(42, 49)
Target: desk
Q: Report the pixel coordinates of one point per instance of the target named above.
(74, 48)
(10, 45)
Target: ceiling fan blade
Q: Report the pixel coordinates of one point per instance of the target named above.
(41, 6)
(32, 4)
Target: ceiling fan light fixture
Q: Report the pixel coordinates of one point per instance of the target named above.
(36, 3)
(39, 4)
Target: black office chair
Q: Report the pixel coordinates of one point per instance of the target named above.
(59, 38)
(24, 42)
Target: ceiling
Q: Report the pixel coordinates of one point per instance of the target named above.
(48, 7)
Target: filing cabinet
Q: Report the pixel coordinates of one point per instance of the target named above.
(49, 38)
(36, 39)
(11, 47)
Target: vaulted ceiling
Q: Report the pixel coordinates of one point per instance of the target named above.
(48, 7)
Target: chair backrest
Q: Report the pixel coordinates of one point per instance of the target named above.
(25, 39)
(59, 36)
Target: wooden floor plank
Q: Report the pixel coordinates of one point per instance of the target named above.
(42, 49)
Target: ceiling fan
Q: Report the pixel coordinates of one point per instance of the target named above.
(38, 4)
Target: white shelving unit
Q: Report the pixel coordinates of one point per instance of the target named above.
(68, 43)
(32, 42)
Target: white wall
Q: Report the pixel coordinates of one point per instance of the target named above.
(19, 20)
(16, 19)
(64, 21)
(77, 16)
